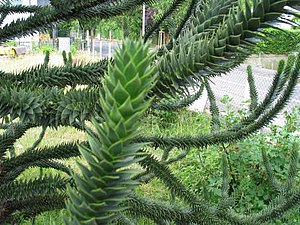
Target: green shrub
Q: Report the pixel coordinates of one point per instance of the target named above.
(279, 42)
(43, 48)
(248, 183)
(12, 43)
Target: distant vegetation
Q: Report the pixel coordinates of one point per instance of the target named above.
(279, 42)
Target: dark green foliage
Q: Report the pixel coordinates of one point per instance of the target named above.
(212, 38)
(67, 60)
(47, 58)
(175, 5)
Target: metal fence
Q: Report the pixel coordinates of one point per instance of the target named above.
(235, 85)
(102, 47)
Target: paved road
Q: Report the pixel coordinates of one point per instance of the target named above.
(235, 85)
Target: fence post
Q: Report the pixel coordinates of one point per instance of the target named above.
(144, 20)
(88, 41)
(109, 45)
(93, 43)
(160, 38)
(100, 45)
(82, 43)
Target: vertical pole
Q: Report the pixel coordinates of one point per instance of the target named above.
(93, 41)
(272, 65)
(160, 39)
(144, 20)
(109, 45)
(54, 37)
(98, 38)
(88, 40)
(100, 50)
(82, 39)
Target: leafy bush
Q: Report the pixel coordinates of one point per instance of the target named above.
(278, 42)
(44, 48)
(12, 43)
(201, 170)
(75, 46)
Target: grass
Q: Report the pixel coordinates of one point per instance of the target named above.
(181, 122)
(52, 137)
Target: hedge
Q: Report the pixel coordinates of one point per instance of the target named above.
(279, 42)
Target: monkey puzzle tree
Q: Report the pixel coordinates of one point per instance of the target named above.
(213, 37)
